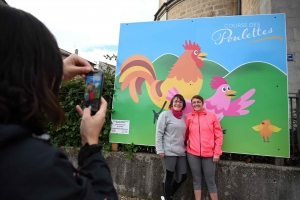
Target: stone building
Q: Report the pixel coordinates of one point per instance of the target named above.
(180, 9)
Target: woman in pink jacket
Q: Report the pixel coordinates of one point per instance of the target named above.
(204, 139)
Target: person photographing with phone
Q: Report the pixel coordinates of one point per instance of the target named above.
(31, 72)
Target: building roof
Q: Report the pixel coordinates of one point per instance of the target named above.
(104, 64)
(66, 53)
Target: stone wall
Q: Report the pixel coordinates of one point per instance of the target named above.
(203, 8)
(180, 9)
(161, 2)
(250, 7)
(292, 10)
(142, 177)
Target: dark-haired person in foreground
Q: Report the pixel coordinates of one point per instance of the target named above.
(31, 72)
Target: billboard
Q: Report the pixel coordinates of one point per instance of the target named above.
(238, 64)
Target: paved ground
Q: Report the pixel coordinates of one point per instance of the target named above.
(128, 198)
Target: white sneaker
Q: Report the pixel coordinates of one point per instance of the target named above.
(162, 198)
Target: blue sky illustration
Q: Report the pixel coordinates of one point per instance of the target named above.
(230, 41)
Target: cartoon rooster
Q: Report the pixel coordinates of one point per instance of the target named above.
(220, 103)
(184, 75)
(266, 129)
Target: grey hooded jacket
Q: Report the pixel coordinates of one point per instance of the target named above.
(170, 134)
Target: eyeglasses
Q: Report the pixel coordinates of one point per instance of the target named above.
(176, 101)
(197, 102)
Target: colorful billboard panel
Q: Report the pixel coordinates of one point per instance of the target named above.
(237, 64)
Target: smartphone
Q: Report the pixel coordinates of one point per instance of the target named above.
(93, 90)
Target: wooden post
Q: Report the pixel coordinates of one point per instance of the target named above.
(114, 146)
(279, 161)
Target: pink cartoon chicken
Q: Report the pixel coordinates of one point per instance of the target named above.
(220, 103)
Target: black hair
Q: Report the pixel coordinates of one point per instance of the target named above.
(180, 97)
(31, 70)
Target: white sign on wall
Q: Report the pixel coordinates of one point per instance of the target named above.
(120, 126)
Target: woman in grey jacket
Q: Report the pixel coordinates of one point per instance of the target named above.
(170, 134)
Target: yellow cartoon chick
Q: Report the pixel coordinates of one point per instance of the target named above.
(266, 129)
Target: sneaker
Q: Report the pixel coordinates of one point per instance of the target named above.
(162, 198)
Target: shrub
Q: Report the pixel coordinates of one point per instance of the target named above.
(71, 94)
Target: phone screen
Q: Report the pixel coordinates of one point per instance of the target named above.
(93, 90)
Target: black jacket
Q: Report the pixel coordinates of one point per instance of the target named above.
(30, 168)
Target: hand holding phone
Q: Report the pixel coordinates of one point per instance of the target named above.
(93, 90)
(90, 126)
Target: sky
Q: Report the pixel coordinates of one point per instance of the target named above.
(91, 26)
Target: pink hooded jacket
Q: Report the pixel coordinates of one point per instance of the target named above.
(204, 136)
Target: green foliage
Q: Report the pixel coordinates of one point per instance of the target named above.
(128, 150)
(107, 93)
(71, 94)
(110, 57)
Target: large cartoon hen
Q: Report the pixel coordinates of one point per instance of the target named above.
(184, 75)
(220, 103)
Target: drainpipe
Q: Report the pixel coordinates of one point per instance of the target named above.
(239, 7)
(167, 13)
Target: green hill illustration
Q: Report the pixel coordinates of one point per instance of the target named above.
(240, 136)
